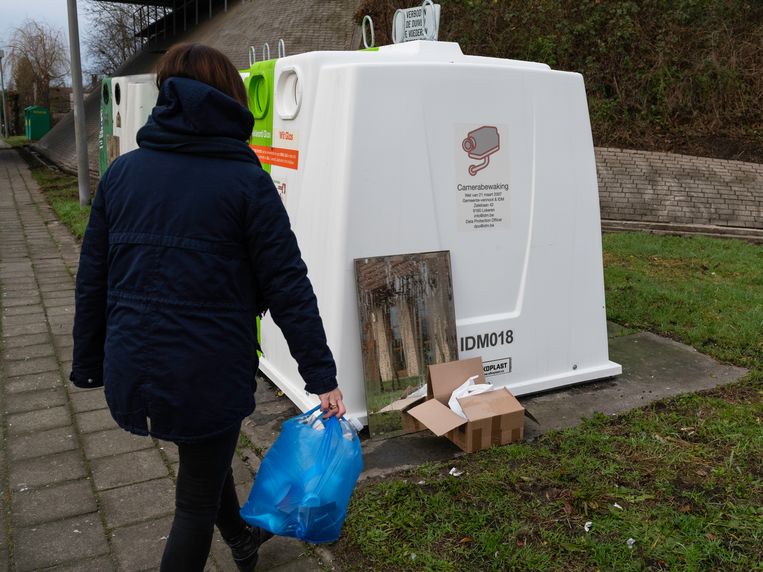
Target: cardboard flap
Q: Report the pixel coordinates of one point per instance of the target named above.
(401, 404)
(490, 404)
(445, 377)
(436, 417)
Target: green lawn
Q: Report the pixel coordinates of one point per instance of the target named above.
(702, 291)
(682, 478)
(16, 140)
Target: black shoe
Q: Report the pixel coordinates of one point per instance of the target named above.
(244, 547)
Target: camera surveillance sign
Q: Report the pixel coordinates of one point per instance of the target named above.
(480, 144)
(482, 177)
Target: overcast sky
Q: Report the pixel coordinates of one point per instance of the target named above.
(53, 12)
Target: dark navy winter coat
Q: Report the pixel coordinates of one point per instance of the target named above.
(188, 241)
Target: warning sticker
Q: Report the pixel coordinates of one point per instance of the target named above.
(482, 177)
(282, 186)
(277, 156)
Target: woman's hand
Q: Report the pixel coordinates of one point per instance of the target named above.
(332, 404)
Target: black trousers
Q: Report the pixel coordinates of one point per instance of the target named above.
(205, 495)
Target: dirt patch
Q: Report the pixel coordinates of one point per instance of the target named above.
(751, 392)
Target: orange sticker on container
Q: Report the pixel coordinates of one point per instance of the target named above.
(277, 156)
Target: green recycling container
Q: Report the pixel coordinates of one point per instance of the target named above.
(107, 125)
(36, 122)
(259, 87)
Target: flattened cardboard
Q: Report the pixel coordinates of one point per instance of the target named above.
(401, 404)
(438, 418)
(445, 377)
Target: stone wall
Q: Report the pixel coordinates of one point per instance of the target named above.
(664, 188)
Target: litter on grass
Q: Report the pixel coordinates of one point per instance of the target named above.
(455, 472)
(587, 526)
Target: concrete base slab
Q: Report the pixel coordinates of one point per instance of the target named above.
(653, 368)
(383, 456)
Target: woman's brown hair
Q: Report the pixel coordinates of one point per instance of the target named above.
(204, 64)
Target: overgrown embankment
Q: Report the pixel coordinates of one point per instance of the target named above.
(684, 76)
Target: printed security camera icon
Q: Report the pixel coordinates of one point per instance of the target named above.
(480, 144)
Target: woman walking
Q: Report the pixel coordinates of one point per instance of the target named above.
(188, 241)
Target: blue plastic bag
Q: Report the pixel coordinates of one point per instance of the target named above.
(306, 479)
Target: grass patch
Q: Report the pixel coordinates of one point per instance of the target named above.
(682, 477)
(244, 443)
(71, 214)
(16, 140)
(62, 192)
(686, 473)
(703, 291)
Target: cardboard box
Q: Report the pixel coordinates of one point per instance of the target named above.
(410, 425)
(493, 418)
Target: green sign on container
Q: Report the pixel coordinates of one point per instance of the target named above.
(107, 125)
(259, 92)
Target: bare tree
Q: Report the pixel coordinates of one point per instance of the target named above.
(23, 80)
(39, 49)
(110, 37)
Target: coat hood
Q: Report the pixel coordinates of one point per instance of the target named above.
(193, 117)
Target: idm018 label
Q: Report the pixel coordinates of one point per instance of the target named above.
(488, 340)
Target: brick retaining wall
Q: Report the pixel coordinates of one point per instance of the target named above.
(644, 186)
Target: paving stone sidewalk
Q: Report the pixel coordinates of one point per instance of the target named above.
(78, 493)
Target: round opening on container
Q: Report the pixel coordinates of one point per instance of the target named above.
(259, 96)
(105, 93)
(117, 94)
(398, 26)
(289, 94)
